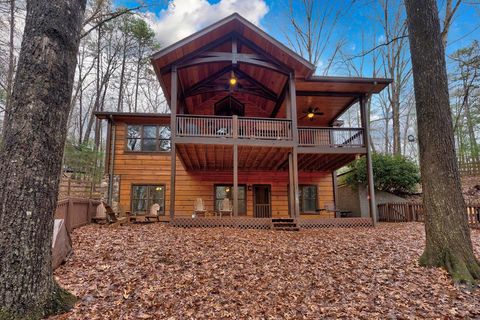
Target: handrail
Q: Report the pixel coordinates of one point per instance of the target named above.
(234, 127)
(266, 129)
(331, 137)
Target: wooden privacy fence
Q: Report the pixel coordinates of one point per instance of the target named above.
(469, 166)
(79, 188)
(76, 212)
(406, 212)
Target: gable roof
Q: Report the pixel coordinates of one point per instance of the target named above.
(234, 23)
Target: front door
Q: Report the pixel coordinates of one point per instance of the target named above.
(261, 201)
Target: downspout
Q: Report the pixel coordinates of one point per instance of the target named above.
(113, 130)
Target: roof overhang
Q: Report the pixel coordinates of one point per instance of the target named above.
(134, 117)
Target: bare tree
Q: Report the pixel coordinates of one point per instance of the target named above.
(396, 62)
(448, 242)
(451, 8)
(313, 24)
(31, 158)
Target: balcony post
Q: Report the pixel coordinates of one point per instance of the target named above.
(293, 113)
(173, 129)
(371, 186)
(235, 165)
(293, 107)
(235, 180)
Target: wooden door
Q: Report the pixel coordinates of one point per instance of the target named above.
(262, 207)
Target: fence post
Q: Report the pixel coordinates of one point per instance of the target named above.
(68, 213)
(68, 186)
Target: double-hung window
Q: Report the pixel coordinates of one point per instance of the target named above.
(144, 196)
(226, 191)
(148, 138)
(308, 198)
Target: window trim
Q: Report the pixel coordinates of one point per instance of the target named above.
(157, 139)
(148, 185)
(230, 185)
(300, 199)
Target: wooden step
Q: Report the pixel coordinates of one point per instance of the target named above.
(287, 229)
(285, 224)
(282, 220)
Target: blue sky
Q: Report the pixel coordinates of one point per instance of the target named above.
(187, 16)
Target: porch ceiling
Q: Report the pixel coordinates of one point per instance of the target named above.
(321, 162)
(220, 157)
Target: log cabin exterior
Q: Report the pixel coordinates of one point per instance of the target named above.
(249, 121)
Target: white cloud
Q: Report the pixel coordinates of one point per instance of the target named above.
(184, 17)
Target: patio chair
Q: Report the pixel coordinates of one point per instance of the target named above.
(226, 207)
(330, 208)
(154, 213)
(199, 208)
(112, 218)
(101, 214)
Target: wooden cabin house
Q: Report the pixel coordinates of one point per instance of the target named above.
(249, 122)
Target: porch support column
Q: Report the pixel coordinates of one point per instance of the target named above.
(235, 180)
(293, 113)
(173, 128)
(296, 199)
(235, 165)
(366, 137)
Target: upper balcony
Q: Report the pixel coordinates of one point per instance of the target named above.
(192, 129)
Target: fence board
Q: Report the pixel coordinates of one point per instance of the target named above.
(407, 212)
(76, 212)
(469, 166)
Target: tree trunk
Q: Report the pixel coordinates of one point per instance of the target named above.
(448, 242)
(11, 58)
(122, 76)
(31, 157)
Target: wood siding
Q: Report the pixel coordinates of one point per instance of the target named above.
(154, 168)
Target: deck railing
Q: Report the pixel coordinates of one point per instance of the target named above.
(243, 128)
(266, 129)
(269, 129)
(331, 137)
(204, 126)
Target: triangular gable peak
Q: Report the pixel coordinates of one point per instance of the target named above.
(233, 41)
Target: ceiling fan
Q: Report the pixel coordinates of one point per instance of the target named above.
(311, 112)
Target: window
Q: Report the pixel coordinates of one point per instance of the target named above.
(229, 106)
(308, 198)
(148, 138)
(226, 191)
(143, 197)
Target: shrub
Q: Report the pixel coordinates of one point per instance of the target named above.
(394, 174)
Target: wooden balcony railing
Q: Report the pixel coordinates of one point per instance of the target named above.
(244, 128)
(269, 129)
(266, 129)
(331, 137)
(204, 126)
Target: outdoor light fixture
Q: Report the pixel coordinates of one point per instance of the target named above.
(233, 79)
(310, 115)
(158, 188)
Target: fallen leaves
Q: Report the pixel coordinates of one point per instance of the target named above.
(154, 272)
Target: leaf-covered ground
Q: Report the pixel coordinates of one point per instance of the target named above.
(155, 272)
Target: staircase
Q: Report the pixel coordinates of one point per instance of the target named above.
(285, 224)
